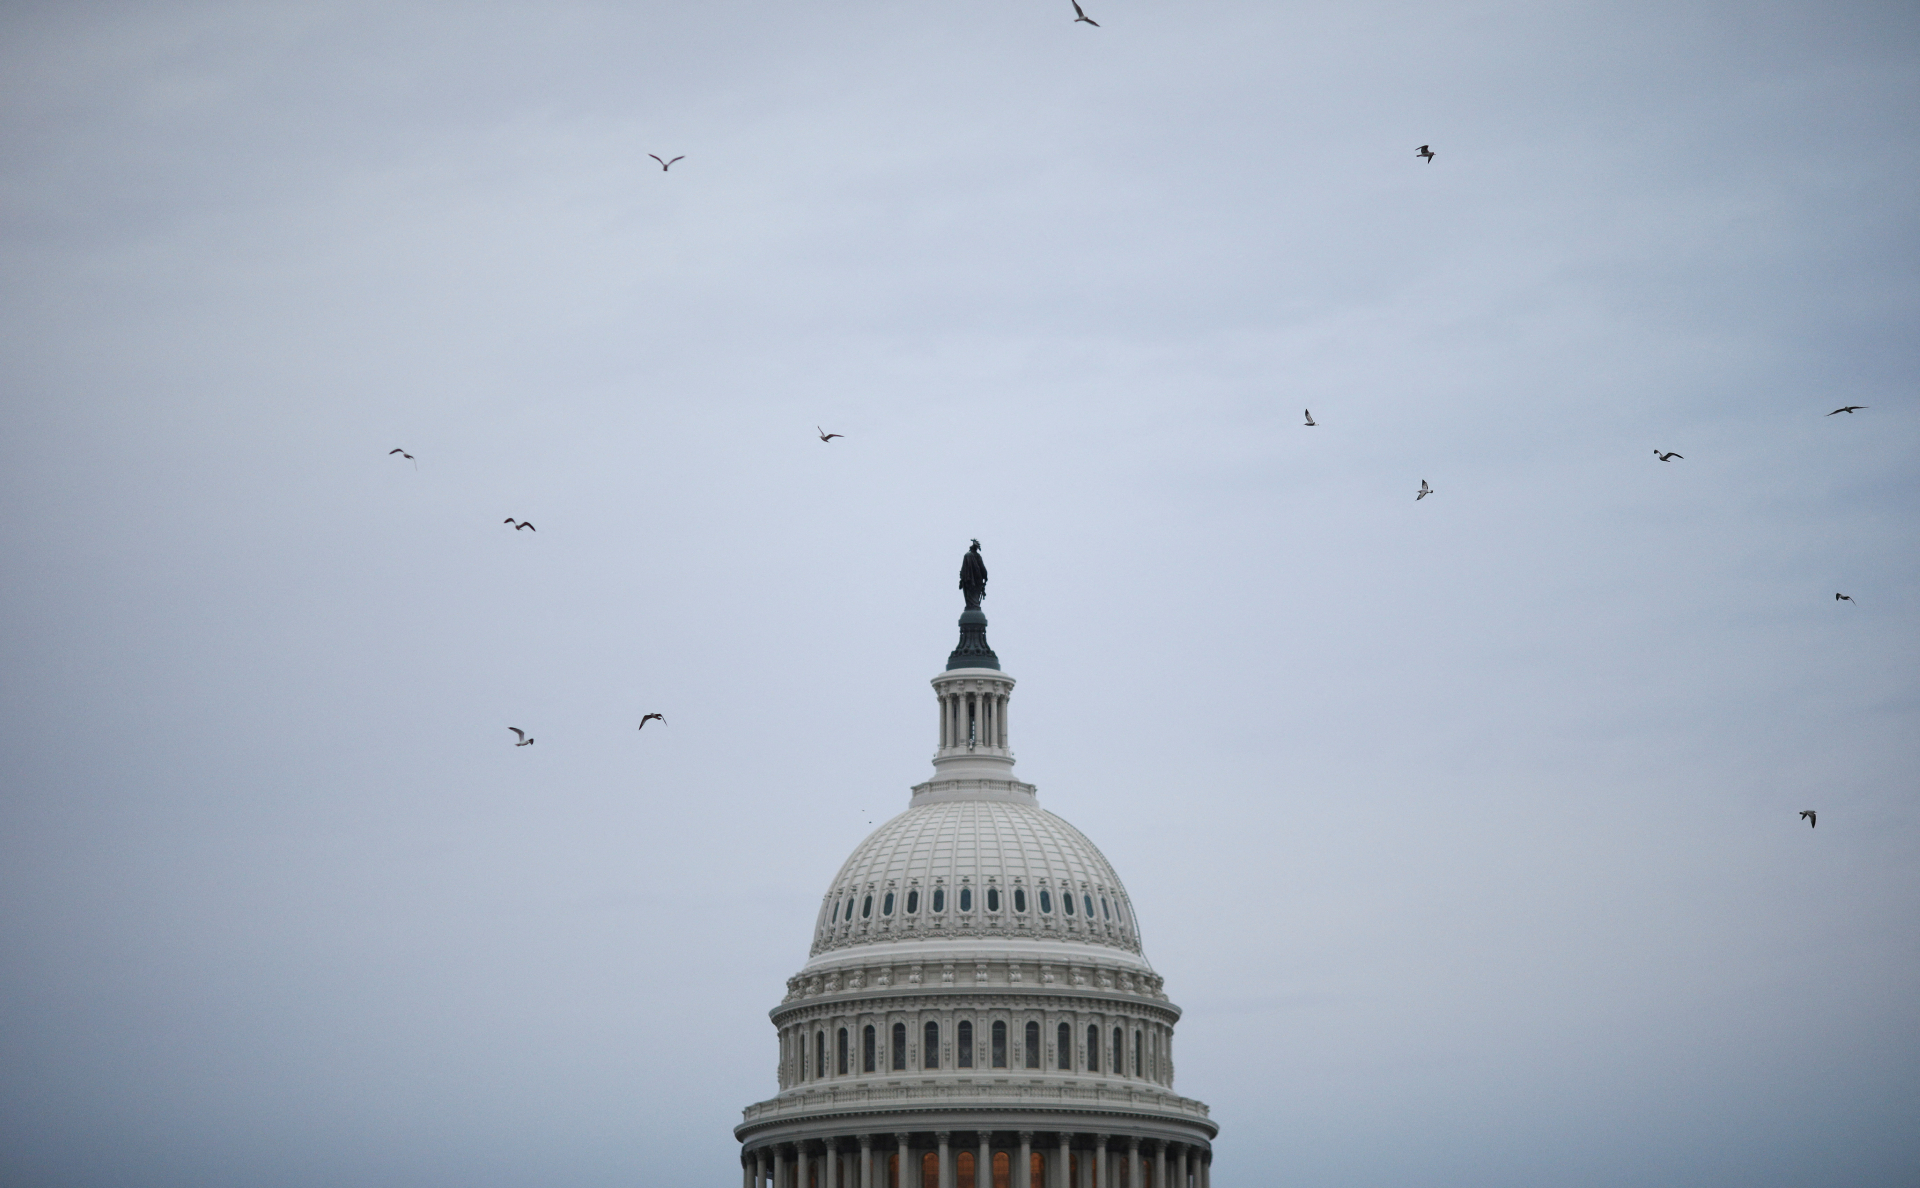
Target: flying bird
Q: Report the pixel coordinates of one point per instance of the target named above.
(649, 718)
(1079, 15)
(1309, 416)
(1424, 491)
(1425, 151)
(1849, 409)
(524, 740)
(1839, 597)
(1668, 455)
(1811, 818)
(527, 524)
(666, 165)
(824, 435)
(409, 457)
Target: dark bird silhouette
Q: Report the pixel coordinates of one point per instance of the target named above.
(1849, 409)
(649, 718)
(1079, 16)
(1425, 151)
(1669, 455)
(1424, 491)
(1811, 818)
(403, 454)
(527, 524)
(524, 740)
(1838, 597)
(1309, 416)
(666, 165)
(824, 435)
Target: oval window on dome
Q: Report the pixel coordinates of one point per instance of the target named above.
(1019, 899)
(993, 899)
(966, 899)
(1046, 902)
(866, 909)
(1066, 901)
(1104, 913)
(886, 905)
(913, 902)
(1088, 900)
(939, 899)
(849, 907)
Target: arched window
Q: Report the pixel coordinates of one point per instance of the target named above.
(963, 1045)
(900, 1046)
(939, 899)
(1066, 901)
(1093, 1048)
(833, 917)
(1088, 899)
(886, 905)
(1119, 1064)
(1138, 1062)
(819, 1053)
(849, 907)
(993, 899)
(1063, 1055)
(966, 899)
(1046, 902)
(1019, 899)
(1033, 1045)
(866, 909)
(866, 1049)
(913, 902)
(840, 1057)
(999, 1044)
(930, 1045)
(1104, 913)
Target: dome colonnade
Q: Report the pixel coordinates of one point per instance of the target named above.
(976, 1010)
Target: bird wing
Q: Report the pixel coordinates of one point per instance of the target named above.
(518, 731)
(656, 156)
(390, 453)
(1682, 457)
(1076, 9)
(681, 157)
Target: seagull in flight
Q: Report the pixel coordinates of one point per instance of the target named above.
(416, 465)
(1669, 455)
(1838, 597)
(649, 718)
(1425, 150)
(527, 524)
(1811, 818)
(1079, 15)
(524, 740)
(824, 435)
(666, 165)
(1310, 419)
(1424, 491)
(1849, 409)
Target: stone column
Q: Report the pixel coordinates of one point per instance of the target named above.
(983, 1162)
(1065, 1165)
(866, 1161)
(1206, 1168)
(779, 1168)
(1160, 1164)
(907, 1176)
(1180, 1166)
(1022, 1176)
(800, 1166)
(1103, 1167)
(833, 1163)
(945, 1162)
(746, 1172)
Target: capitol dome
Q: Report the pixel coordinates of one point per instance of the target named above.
(976, 1010)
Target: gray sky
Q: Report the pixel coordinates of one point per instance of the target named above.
(1464, 830)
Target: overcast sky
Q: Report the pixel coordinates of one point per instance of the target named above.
(1464, 830)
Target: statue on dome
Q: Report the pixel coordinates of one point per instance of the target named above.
(973, 577)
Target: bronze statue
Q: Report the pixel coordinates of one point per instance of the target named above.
(973, 577)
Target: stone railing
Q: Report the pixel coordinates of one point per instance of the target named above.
(999, 1094)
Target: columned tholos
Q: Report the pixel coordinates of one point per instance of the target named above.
(977, 971)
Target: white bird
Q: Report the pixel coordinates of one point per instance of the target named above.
(666, 165)
(1812, 819)
(1309, 416)
(1669, 455)
(1424, 491)
(524, 740)
(1425, 151)
(1079, 16)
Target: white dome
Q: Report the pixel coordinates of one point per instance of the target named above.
(976, 869)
